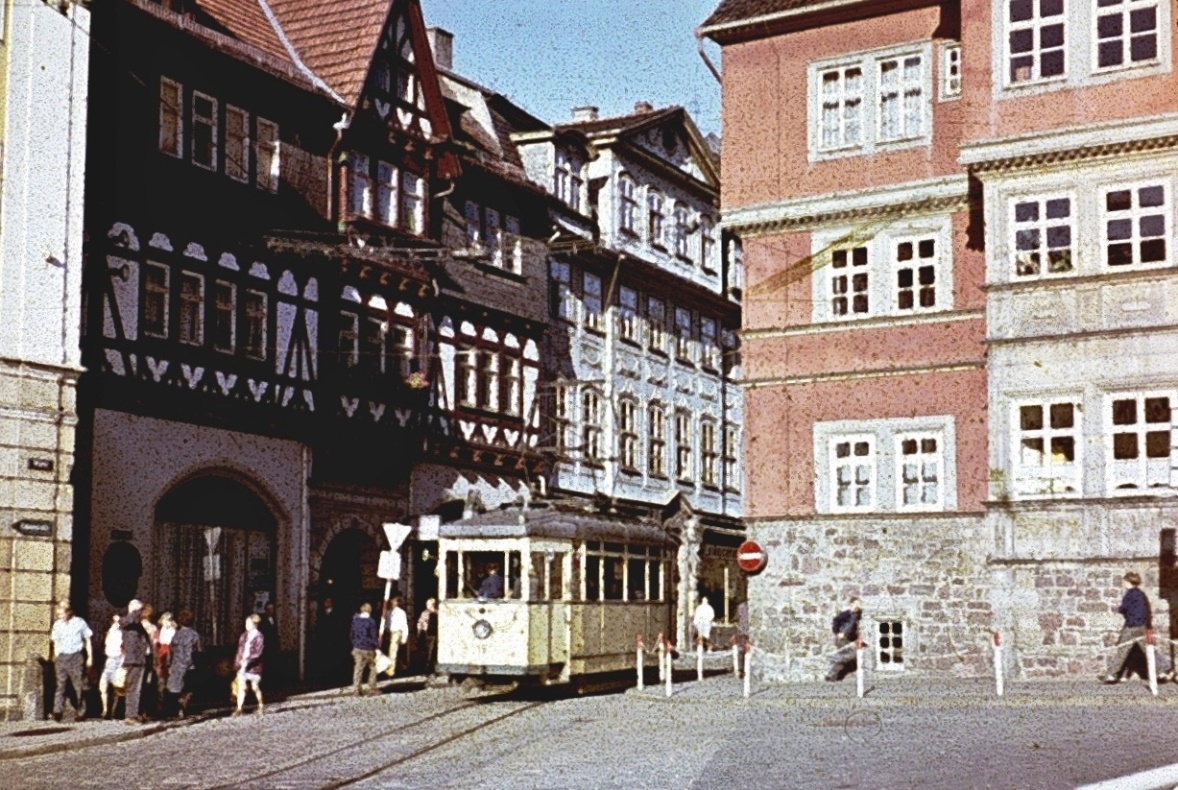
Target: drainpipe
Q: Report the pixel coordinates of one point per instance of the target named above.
(699, 45)
(340, 127)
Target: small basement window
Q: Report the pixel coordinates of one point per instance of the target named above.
(889, 650)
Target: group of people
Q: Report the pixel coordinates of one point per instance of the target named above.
(365, 636)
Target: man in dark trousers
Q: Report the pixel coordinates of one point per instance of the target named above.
(365, 643)
(1138, 617)
(846, 635)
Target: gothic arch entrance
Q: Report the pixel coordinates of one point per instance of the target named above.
(216, 554)
(348, 572)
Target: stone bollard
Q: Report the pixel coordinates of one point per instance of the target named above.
(33, 688)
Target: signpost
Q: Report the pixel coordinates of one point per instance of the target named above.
(389, 567)
(750, 557)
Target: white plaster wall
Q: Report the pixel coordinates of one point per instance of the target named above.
(44, 145)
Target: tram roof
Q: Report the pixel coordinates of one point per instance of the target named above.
(546, 522)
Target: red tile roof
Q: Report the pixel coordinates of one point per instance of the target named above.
(739, 10)
(244, 21)
(621, 124)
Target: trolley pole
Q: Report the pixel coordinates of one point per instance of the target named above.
(859, 667)
(1151, 661)
(641, 664)
(998, 674)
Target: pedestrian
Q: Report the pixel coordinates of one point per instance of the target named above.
(136, 644)
(427, 635)
(846, 638)
(704, 616)
(150, 698)
(365, 643)
(1138, 616)
(492, 584)
(69, 636)
(398, 632)
(331, 642)
(113, 651)
(163, 647)
(269, 628)
(249, 663)
(182, 662)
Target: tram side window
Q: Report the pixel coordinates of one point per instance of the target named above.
(556, 577)
(592, 577)
(656, 574)
(636, 578)
(614, 589)
(536, 582)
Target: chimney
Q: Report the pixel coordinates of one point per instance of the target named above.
(585, 113)
(441, 41)
(643, 107)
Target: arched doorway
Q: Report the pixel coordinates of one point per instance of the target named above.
(216, 554)
(348, 572)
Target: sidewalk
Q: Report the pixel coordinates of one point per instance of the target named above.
(24, 739)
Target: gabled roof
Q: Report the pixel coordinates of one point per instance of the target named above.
(244, 21)
(741, 10)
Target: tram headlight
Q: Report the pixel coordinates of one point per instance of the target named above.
(482, 629)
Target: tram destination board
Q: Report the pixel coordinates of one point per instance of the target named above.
(750, 557)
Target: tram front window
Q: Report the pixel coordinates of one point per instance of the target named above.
(488, 574)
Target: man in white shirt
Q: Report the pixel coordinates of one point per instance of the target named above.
(398, 631)
(69, 635)
(704, 615)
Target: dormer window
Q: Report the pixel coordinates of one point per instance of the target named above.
(655, 218)
(567, 182)
(359, 186)
(383, 193)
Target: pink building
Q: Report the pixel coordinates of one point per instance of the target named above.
(960, 347)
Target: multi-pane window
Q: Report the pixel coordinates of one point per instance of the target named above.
(1046, 441)
(683, 334)
(401, 347)
(412, 203)
(656, 318)
(224, 315)
(591, 426)
(466, 374)
(266, 156)
(627, 204)
(889, 646)
(709, 348)
(348, 341)
(192, 304)
(682, 235)
(852, 473)
(204, 131)
(1142, 441)
(628, 314)
(359, 185)
(684, 469)
(919, 471)
(237, 143)
(708, 455)
(655, 218)
(591, 301)
(1126, 32)
(513, 255)
(628, 434)
(707, 243)
(386, 193)
(841, 124)
(1042, 236)
(656, 441)
(372, 344)
(916, 274)
(849, 282)
(493, 235)
(1136, 225)
(474, 223)
(560, 290)
(1035, 33)
(951, 71)
(155, 299)
(256, 313)
(512, 387)
(561, 416)
(901, 98)
(568, 182)
(171, 118)
(488, 380)
(731, 453)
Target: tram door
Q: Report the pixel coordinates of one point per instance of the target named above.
(548, 586)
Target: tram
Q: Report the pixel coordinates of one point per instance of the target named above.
(576, 590)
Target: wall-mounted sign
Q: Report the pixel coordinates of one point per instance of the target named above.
(34, 527)
(41, 464)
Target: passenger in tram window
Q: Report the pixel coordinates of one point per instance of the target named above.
(492, 584)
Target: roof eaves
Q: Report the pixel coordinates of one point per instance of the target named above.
(733, 26)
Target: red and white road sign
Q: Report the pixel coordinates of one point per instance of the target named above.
(750, 557)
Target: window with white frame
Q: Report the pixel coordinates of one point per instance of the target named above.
(628, 314)
(204, 131)
(192, 309)
(156, 289)
(567, 180)
(386, 193)
(683, 334)
(237, 143)
(467, 375)
(627, 204)
(852, 473)
(849, 282)
(1126, 33)
(950, 71)
(256, 341)
(731, 454)
(655, 218)
(171, 118)
(709, 345)
(915, 264)
(684, 468)
(560, 280)
(373, 351)
(841, 94)
(628, 434)
(656, 319)
(591, 301)
(1041, 235)
(708, 455)
(656, 441)
(267, 162)
(901, 99)
(493, 235)
(707, 243)
(402, 349)
(561, 416)
(224, 316)
(1046, 448)
(413, 203)
(512, 397)
(349, 339)
(1035, 40)
(1136, 223)
(682, 235)
(1142, 438)
(889, 645)
(591, 426)
(359, 185)
(488, 379)
(474, 223)
(513, 249)
(920, 462)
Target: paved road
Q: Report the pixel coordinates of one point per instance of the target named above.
(435, 738)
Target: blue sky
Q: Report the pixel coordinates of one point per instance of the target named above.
(549, 56)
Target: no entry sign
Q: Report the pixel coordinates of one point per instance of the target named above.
(750, 557)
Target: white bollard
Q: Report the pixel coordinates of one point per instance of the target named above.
(859, 668)
(641, 665)
(1151, 661)
(670, 674)
(662, 648)
(736, 659)
(748, 653)
(998, 673)
(699, 660)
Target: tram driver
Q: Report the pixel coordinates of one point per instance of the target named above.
(492, 584)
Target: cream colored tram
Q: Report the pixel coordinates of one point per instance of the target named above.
(578, 590)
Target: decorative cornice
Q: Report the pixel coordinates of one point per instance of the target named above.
(882, 322)
(1094, 142)
(934, 196)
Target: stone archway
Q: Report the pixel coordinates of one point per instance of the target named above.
(347, 570)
